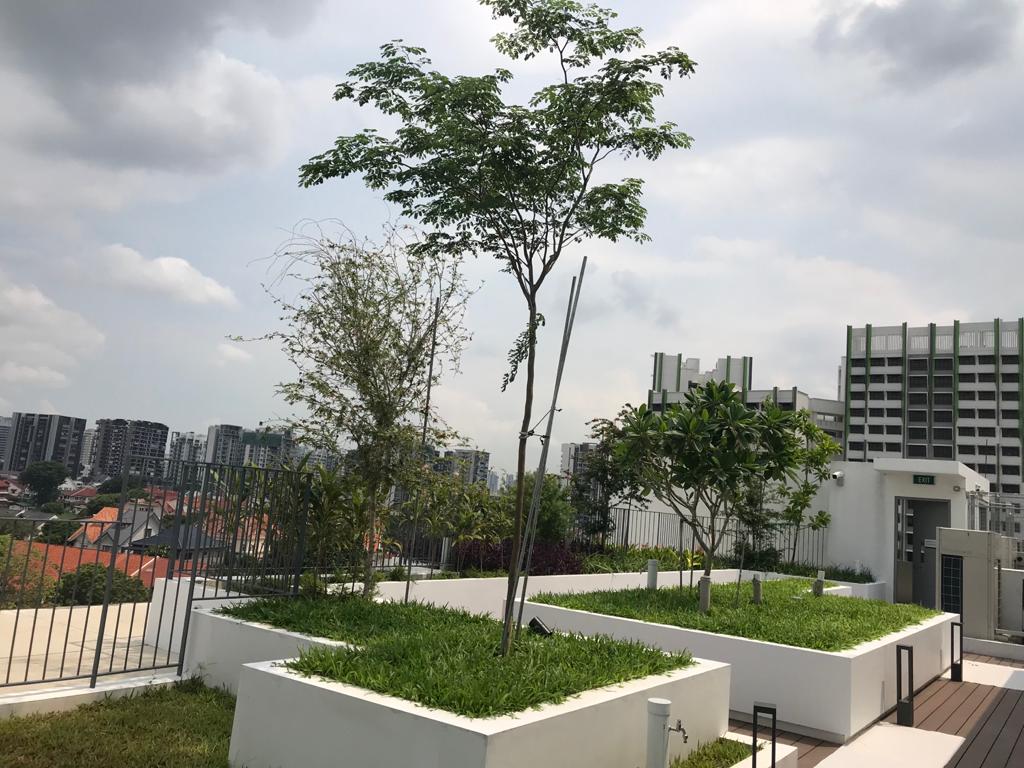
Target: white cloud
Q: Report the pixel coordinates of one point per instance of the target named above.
(229, 353)
(168, 275)
(40, 342)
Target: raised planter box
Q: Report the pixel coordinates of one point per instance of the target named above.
(827, 695)
(218, 646)
(284, 719)
(785, 754)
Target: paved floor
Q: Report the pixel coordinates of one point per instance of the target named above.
(989, 718)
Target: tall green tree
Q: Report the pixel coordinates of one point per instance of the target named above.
(43, 479)
(516, 181)
(699, 456)
(360, 334)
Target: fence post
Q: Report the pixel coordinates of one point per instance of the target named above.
(300, 549)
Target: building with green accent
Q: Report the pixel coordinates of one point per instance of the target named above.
(673, 376)
(937, 392)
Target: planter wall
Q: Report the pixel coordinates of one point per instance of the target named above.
(488, 595)
(218, 646)
(785, 754)
(831, 696)
(284, 719)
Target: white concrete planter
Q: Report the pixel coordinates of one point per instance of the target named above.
(828, 695)
(218, 646)
(283, 720)
(785, 755)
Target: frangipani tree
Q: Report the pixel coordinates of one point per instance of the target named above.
(698, 456)
(515, 181)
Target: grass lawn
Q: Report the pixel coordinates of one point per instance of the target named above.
(720, 753)
(186, 726)
(787, 615)
(446, 659)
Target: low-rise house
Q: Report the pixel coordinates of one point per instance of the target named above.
(80, 496)
(101, 531)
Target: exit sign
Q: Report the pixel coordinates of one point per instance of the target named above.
(924, 479)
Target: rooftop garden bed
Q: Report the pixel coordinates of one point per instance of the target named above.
(184, 726)
(446, 659)
(720, 753)
(788, 613)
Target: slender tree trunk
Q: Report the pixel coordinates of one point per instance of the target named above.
(517, 512)
(370, 546)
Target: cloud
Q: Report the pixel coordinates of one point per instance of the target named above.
(167, 275)
(920, 42)
(229, 353)
(40, 342)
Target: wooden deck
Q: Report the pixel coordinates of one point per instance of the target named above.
(810, 751)
(990, 719)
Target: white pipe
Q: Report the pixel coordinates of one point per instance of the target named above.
(657, 732)
(652, 574)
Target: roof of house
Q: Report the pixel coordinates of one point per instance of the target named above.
(190, 538)
(95, 526)
(59, 560)
(84, 493)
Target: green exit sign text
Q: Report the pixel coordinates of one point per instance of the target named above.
(924, 479)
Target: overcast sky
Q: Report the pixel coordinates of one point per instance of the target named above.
(853, 162)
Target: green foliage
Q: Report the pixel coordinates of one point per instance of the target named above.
(555, 514)
(602, 479)
(87, 585)
(445, 659)
(58, 531)
(24, 581)
(720, 753)
(98, 502)
(182, 726)
(832, 572)
(788, 614)
(42, 478)
(631, 559)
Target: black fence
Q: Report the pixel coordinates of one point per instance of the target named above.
(761, 546)
(107, 588)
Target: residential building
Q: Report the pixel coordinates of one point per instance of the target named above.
(937, 392)
(88, 451)
(143, 442)
(574, 458)
(673, 377)
(267, 448)
(186, 446)
(319, 457)
(5, 434)
(139, 521)
(470, 464)
(496, 480)
(44, 437)
(224, 444)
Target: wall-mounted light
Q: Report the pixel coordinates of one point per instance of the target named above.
(956, 489)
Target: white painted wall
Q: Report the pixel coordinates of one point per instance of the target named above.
(863, 508)
(283, 719)
(167, 608)
(218, 646)
(826, 695)
(1011, 600)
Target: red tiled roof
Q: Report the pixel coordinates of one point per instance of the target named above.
(93, 528)
(59, 560)
(84, 493)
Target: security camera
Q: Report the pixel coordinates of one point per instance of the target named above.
(838, 477)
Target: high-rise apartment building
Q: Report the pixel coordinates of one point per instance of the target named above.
(224, 444)
(470, 464)
(186, 446)
(88, 450)
(574, 459)
(267, 448)
(673, 377)
(938, 392)
(144, 443)
(5, 434)
(44, 437)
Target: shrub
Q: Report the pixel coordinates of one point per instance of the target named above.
(87, 585)
(631, 559)
(549, 558)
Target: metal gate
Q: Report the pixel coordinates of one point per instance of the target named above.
(109, 591)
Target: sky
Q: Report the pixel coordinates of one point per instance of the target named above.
(853, 162)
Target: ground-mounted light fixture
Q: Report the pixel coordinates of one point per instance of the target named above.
(538, 627)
